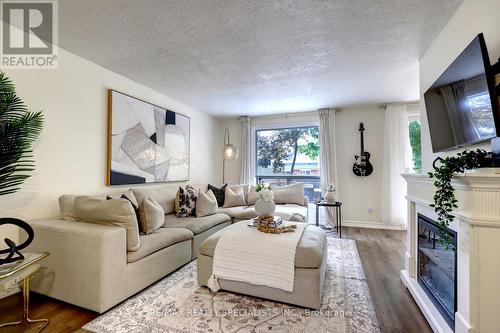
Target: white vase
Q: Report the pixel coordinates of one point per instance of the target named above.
(265, 208)
(330, 197)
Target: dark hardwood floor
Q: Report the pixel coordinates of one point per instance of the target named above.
(381, 252)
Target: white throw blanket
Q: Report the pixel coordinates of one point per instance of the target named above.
(245, 254)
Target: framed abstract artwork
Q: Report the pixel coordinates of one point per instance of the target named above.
(146, 143)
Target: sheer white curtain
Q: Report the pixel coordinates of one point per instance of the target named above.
(396, 160)
(327, 150)
(246, 155)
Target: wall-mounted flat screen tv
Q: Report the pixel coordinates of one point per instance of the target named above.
(462, 108)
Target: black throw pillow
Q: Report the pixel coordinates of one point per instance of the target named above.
(220, 194)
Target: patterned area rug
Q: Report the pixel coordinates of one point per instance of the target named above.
(178, 304)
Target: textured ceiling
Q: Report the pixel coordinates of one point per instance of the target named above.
(235, 57)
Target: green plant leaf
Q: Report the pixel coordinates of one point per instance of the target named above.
(19, 129)
(444, 197)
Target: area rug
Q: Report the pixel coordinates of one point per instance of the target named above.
(177, 304)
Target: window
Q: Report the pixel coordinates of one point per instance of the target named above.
(414, 132)
(482, 117)
(287, 156)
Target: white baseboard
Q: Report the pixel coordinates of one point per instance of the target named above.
(372, 225)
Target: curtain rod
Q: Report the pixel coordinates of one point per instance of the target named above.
(283, 115)
(306, 113)
(383, 105)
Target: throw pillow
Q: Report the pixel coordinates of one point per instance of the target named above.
(206, 204)
(164, 195)
(291, 194)
(234, 198)
(185, 202)
(67, 206)
(253, 196)
(151, 215)
(219, 193)
(132, 201)
(117, 212)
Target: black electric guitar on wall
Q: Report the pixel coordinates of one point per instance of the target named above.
(362, 166)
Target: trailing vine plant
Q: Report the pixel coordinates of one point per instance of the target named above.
(444, 198)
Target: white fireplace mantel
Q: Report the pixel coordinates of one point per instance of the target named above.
(477, 223)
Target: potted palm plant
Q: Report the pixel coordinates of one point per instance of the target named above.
(19, 129)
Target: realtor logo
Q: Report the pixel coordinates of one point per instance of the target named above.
(29, 34)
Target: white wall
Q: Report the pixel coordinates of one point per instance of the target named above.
(233, 168)
(71, 153)
(357, 194)
(471, 18)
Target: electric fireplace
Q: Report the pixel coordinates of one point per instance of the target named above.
(437, 268)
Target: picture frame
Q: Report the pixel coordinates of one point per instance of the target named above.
(146, 143)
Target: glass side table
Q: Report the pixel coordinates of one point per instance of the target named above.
(338, 215)
(19, 273)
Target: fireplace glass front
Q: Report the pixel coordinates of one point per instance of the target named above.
(437, 268)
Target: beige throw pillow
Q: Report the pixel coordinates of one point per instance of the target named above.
(206, 204)
(253, 196)
(151, 215)
(164, 195)
(118, 212)
(67, 206)
(234, 197)
(291, 194)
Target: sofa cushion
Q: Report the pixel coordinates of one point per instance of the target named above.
(158, 240)
(151, 216)
(232, 211)
(291, 194)
(118, 212)
(253, 195)
(67, 203)
(206, 204)
(196, 224)
(290, 212)
(130, 198)
(245, 188)
(67, 207)
(164, 195)
(233, 198)
(309, 252)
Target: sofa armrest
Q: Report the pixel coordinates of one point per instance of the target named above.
(86, 265)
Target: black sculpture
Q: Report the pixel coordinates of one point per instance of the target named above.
(14, 249)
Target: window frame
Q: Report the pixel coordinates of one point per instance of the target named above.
(255, 131)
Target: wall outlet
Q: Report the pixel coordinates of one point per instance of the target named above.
(371, 210)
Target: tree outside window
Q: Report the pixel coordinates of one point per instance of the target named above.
(414, 129)
(288, 155)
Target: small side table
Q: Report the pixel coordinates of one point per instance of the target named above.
(338, 215)
(21, 273)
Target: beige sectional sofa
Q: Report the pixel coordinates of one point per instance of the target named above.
(89, 264)
(287, 210)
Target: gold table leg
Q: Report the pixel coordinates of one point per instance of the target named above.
(26, 301)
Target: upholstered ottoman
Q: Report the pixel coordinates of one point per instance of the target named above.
(310, 268)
